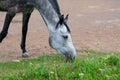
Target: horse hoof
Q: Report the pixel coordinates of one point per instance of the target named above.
(25, 55)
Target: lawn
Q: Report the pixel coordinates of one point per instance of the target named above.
(91, 66)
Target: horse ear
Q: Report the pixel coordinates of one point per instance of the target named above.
(66, 18)
(61, 19)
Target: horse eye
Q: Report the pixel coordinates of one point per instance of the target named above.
(65, 36)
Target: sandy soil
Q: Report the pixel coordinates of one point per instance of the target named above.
(95, 24)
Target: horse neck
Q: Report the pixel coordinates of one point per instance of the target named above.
(48, 13)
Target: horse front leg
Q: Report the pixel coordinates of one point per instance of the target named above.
(8, 19)
(26, 17)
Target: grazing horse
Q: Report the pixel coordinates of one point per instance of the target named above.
(59, 32)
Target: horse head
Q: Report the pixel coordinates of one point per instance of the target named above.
(61, 40)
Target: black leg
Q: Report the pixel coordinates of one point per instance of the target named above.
(7, 22)
(26, 17)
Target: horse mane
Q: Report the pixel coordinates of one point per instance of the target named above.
(55, 6)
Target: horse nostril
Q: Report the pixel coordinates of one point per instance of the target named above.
(65, 36)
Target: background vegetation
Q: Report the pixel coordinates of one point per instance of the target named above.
(91, 66)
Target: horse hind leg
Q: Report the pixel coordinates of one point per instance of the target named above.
(26, 17)
(8, 19)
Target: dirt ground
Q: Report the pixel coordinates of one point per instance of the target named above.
(95, 24)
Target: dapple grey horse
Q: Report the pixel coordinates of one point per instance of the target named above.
(59, 32)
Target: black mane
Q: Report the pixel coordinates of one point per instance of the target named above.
(55, 6)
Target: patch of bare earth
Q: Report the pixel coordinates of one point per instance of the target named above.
(95, 24)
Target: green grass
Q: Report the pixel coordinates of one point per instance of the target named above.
(92, 66)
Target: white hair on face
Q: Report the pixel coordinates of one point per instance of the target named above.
(57, 41)
(62, 29)
(62, 45)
